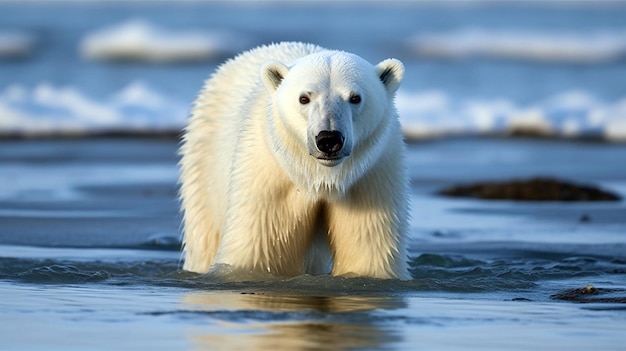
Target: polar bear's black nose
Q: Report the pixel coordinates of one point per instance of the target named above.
(329, 141)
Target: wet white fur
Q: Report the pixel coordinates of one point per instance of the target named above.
(254, 198)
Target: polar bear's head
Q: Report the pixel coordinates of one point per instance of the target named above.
(331, 107)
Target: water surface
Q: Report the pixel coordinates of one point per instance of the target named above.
(89, 259)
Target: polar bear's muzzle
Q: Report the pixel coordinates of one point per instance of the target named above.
(329, 148)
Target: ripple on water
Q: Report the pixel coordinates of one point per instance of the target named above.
(431, 272)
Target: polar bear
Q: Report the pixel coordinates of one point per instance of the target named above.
(292, 162)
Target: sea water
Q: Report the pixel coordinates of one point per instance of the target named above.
(90, 259)
(90, 228)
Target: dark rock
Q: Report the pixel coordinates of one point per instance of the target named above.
(536, 189)
(591, 294)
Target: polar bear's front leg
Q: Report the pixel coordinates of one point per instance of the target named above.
(268, 231)
(367, 229)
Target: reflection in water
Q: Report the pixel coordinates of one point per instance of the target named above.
(291, 322)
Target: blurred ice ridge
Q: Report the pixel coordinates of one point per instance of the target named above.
(571, 114)
(139, 40)
(548, 46)
(50, 110)
(138, 108)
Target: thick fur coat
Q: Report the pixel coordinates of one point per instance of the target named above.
(293, 162)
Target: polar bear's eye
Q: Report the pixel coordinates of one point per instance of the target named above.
(304, 99)
(355, 99)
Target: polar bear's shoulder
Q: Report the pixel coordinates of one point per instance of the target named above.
(241, 73)
(285, 52)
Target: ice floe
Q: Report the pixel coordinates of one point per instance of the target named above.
(587, 47)
(51, 110)
(139, 40)
(571, 114)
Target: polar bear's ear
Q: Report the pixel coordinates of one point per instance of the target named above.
(390, 72)
(272, 74)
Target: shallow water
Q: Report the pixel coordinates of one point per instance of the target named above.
(89, 259)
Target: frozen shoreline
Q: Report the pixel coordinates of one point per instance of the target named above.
(140, 110)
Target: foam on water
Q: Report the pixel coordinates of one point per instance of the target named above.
(139, 40)
(547, 46)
